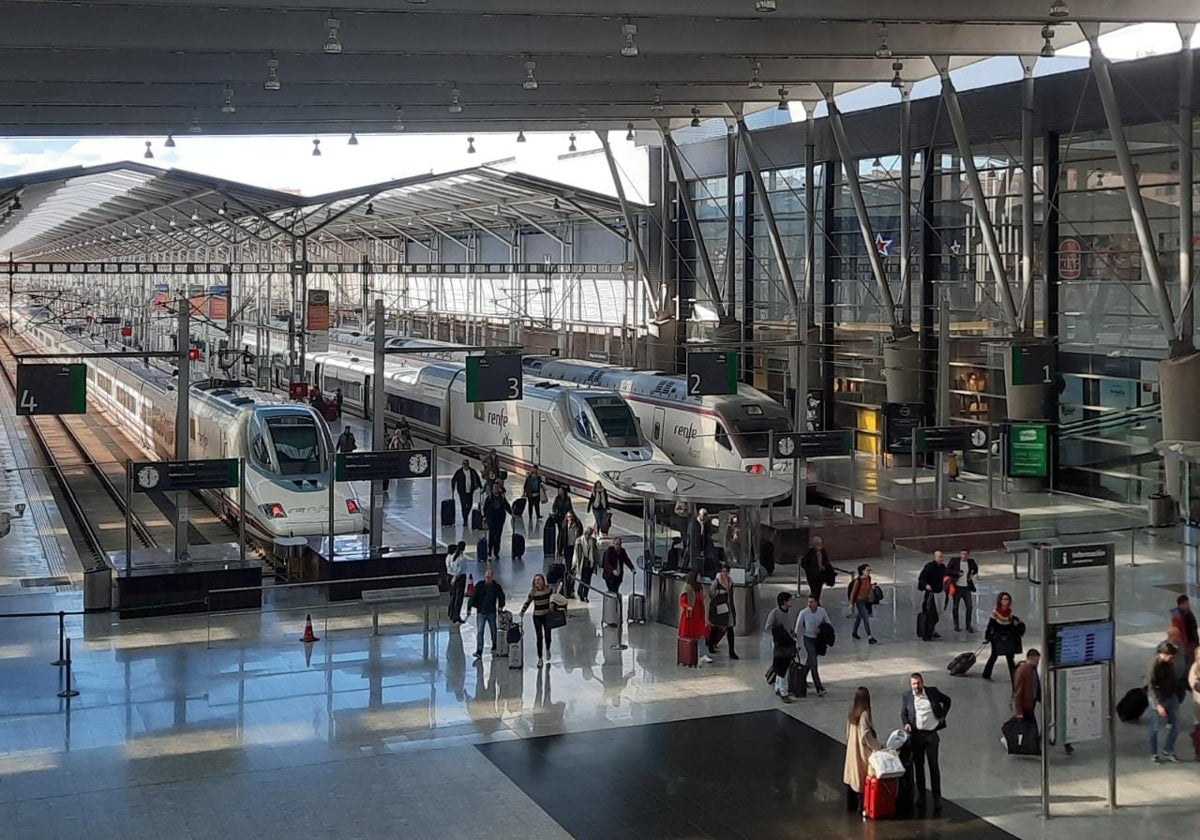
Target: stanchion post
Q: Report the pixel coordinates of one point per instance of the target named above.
(914, 470)
(62, 633)
(434, 503)
(68, 691)
(771, 472)
(242, 511)
(128, 518)
(1132, 547)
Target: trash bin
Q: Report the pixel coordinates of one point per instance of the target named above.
(97, 587)
(1160, 511)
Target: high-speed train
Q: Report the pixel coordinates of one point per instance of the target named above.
(286, 446)
(574, 435)
(721, 432)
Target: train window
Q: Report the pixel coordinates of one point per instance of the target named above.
(192, 428)
(296, 443)
(754, 436)
(723, 438)
(616, 421)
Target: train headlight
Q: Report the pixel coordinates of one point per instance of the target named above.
(757, 469)
(352, 505)
(274, 510)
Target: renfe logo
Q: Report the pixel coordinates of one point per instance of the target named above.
(687, 432)
(1027, 435)
(498, 418)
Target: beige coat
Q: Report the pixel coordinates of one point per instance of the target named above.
(1194, 683)
(860, 743)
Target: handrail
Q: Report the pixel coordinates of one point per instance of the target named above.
(1115, 418)
(273, 586)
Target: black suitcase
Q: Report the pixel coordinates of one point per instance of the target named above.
(797, 679)
(518, 507)
(447, 514)
(962, 663)
(905, 789)
(477, 519)
(481, 549)
(550, 538)
(1133, 705)
(1021, 737)
(518, 546)
(555, 573)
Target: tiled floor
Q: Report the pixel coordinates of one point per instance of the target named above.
(227, 726)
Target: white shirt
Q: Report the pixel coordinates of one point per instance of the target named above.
(924, 709)
(808, 622)
(454, 565)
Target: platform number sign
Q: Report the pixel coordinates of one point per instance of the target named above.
(1033, 364)
(495, 378)
(712, 374)
(52, 389)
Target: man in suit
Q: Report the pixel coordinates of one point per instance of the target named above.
(923, 714)
(815, 564)
(465, 483)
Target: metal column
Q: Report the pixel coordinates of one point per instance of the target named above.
(378, 429)
(810, 220)
(799, 354)
(1026, 312)
(183, 384)
(906, 204)
(1137, 208)
(631, 227)
(689, 208)
(850, 170)
(1187, 247)
(982, 212)
(731, 153)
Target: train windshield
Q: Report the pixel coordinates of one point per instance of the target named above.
(616, 421)
(752, 430)
(288, 445)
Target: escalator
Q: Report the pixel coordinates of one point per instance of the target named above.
(1110, 455)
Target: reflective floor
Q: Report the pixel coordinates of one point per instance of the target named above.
(226, 726)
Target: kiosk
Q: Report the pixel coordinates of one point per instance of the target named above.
(694, 519)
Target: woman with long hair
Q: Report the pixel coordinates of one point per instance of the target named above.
(860, 743)
(1004, 632)
(691, 612)
(539, 597)
(598, 506)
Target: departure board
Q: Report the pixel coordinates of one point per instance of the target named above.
(1083, 644)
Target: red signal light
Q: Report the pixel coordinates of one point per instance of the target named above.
(194, 354)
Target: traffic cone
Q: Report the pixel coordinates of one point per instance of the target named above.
(308, 636)
(470, 585)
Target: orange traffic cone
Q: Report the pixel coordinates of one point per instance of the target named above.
(308, 636)
(470, 585)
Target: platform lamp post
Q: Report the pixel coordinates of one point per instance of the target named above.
(183, 386)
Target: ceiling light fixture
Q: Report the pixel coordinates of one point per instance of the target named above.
(227, 106)
(470, 145)
(695, 117)
(520, 135)
(149, 155)
(272, 81)
(764, 7)
(629, 132)
(755, 75)
(316, 147)
(455, 99)
(398, 122)
(333, 37)
(630, 48)
(884, 51)
(173, 223)
(370, 208)
(530, 82)
(353, 141)
(897, 80)
(195, 215)
(170, 144)
(657, 104)
(224, 208)
(1059, 9)
(1047, 37)
(194, 125)
(571, 147)
(783, 100)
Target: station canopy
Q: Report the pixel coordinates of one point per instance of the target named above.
(154, 67)
(123, 210)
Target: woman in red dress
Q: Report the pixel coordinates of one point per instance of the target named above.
(692, 623)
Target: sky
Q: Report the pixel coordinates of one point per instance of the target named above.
(287, 163)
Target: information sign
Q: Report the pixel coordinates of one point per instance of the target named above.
(1083, 644)
(495, 378)
(1084, 700)
(183, 476)
(380, 466)
(1033, 364)
(900, 420)
(793, 445)
(1081, 556)
(712, 373)
(1028, 450)
(52, 389)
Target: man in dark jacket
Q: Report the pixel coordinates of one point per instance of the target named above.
(931, 582)
(816, 567)
(614, 564)
(1183, 618)
(487, 600)
(465, 483)
(962, 571)
(495, 513)
(923, 713)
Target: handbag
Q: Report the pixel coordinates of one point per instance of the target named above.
(885, 764)
(556, 618)
(542, 494)
(876, 594)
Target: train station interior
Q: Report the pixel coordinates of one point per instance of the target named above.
(321, 318)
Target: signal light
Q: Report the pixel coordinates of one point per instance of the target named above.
(352, 505)
(194, 354)
(274, 510)
(126, 331)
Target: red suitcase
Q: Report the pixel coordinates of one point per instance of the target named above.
(689, 652)
(879, 797)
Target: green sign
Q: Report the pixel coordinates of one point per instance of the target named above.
(52, 389)
(1028, 450)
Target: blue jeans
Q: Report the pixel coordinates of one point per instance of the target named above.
(1171, 705)
(810, 653)
(483, 620)
(863, 617)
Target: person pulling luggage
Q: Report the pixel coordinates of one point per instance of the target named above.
(585, 561)
(722, 616)
(465, 483)
(495, 513)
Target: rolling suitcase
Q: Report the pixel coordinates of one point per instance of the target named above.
(879, 798)
(611, 614)
(518, 507)
(555, 573)
(447, 513)
(550, 538)
(514, 648)
(637, 608)
(962, 663)
(481, 550)
(688, 652)
(518, 546)
(1021, 737)
(797, 679)
(476, 519)
(906, 784)
(1133, 705)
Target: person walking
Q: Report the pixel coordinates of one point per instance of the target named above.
(338, 399)
(465, 484)
(456, 573)
(487, 600)
(1183, 618)
(1027, 687)
(496, 511)
(861, 741)
(962, 571)
(923, 714)
(808, 625)
(783, 644)
(1161, 690)
(614, 564)
(346, 442)
(562, 505)
(585, 561)
(691, 612)
(539, 597)
(569, 533)
(930, 582)
(816, 567)
(722, 616)
(1004, 632)
(490, 464)
(598, 507)
(532, 489)
(860, 602)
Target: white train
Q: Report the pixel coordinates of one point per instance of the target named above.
(573, 435)
(725, 432)
(286, 446)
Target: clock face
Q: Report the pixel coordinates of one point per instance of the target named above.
(148, 477)
(786, 446)
(418, 464)
(979, 438)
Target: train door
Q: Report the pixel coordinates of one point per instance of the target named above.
(368, 397)
(660, 420)
(316, 377)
